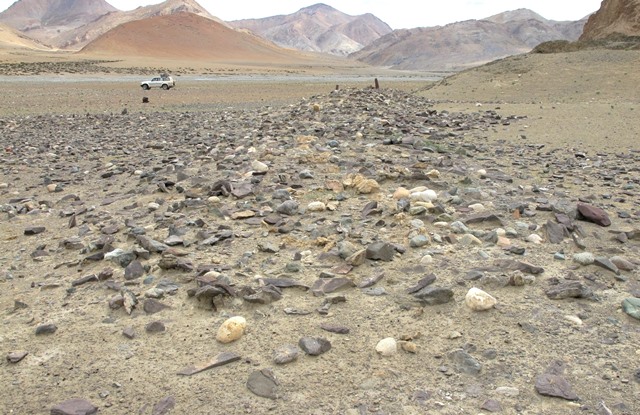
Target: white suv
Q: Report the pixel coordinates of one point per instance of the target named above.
(163, 81)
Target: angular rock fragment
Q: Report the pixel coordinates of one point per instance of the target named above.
(285, 354)
(221, 359)
(153, 306)
(623, 263)
(129, 300)
(296, 312)
(555, 232)
(369, 282)
(34, 230)
(314, 346)
(331, 285)
(565, 220)
(84, 280)
(74, 407)
(631, 306)
(151, 245)
(604, 262)
(371, 208)
(555, 386)
(264, 295)
(434, 295)
(357, 258)
(116, 302)
(492, 406)
(263, 383)
(424, 282)
(593, 214)
(335, 328)
(283, 283)
(242, 191)
(105, 274)
(164, 406)
(464, 362)
(49, 328)
(569, 289)
(484, 218)
(382, 251)
(168, 262)
(15, 357)
(155, 327)
(120, 257)
(129, 332)
(419, 241)
(511, 265)
(133, 270)
(243, 214)
(288, 208)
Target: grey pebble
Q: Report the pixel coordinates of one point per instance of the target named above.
(286, 353)
(314, 346)
(46, 329)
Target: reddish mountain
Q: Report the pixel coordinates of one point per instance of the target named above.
(186, 36)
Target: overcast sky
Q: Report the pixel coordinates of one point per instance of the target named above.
(396, 13)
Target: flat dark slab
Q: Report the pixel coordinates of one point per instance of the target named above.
(220, 360)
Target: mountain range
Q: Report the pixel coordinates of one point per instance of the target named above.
(187, 36)
(468, 43)
(96, 27)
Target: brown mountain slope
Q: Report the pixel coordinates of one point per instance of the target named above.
(186, 36)
(318, 28)
(614, 16)
(465, 44)
(13, 39)
(81, 36)
(44, 19)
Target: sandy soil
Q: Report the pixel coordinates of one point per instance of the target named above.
(584, 100)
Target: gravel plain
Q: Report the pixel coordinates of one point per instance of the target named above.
(349, 228)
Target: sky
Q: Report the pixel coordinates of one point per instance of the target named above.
(398, 14)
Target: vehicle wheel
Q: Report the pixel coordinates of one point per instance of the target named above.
(165, 87)
(145, 87)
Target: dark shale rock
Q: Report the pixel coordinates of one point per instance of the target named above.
(593, 214)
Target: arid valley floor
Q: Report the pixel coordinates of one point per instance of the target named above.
(130, 231)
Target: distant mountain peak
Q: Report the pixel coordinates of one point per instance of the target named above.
(317, 7)
(515, 15)
(26, 15)
(318, 28)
